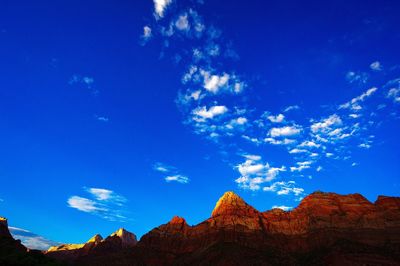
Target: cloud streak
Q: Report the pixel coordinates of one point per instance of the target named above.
(101, 202)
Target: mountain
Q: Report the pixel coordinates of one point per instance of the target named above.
(95, 246)
(325, 229)
(12, 252)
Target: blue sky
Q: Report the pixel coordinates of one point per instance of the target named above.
(126, 113)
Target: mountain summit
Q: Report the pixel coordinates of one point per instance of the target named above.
(232, 204)
(325, 229)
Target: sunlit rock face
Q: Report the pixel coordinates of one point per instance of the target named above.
(4, 232)
(321, 221)
(326, 228)
(12, 252)
(119, 240)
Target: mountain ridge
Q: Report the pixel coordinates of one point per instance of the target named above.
(325, 227)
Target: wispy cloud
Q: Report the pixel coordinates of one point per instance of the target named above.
(357, 77)
(86, 81)
(31, 240)
(376, 66)
(170, 173)
(214, 100)
(282, 207)
(101, 202)
(285, 188)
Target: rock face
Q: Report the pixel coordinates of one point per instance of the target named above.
(117, 241)
(325, 229)
(12, 252)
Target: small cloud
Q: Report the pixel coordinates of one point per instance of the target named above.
(31, 240)
(357, 77)
(295, 150)
(102, 118)
(286, 131)
(254, 172)
(104, 203)
(214, 83)
(84, 204)
(394, 93)
(326, 124)
(282, 207)
(171, 173)
(182, 23)
(147, 35)
(160, 6)
(354, 164)
(376, 66)
(285, 188)
(276, 119)
(202, 113)
(291, 108)
(364, 145)
(354, 104)
(178, 178)
(85, 80)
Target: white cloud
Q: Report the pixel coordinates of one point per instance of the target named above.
(147, 33)
(285, 141)
(160, 167)
(291, 108)
(310, 144)
(295, 150)
(301, 166)
(333, 120)
(236, 122)
(394, 93)
(254, 172)
(178, 178)
(104, 203)
(376, 66)
(160, 6)
(201, 113)
(31, 240)
(102, 118)
(282, 207)
(284, 131)
(171, 173)
(276, 119)
(364, 145)
(354, 104)
(357, 77)
(182, 23)
(214, 83)
(101, 193)
(84, 204)
(285, 188)
(252, 157)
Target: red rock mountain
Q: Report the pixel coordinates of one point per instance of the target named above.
(12, 252)
(325, 229)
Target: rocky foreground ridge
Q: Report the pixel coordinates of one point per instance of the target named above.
(325, 229)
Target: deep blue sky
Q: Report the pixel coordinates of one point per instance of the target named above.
(100, 129)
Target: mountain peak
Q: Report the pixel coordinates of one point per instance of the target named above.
(3, 220)
(177, 220)
(126, 237)
(95, 239)
(232, 204)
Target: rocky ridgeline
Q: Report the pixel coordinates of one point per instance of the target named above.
(326, 228)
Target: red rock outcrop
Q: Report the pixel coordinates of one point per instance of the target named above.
(119, 240)
(326, 228)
